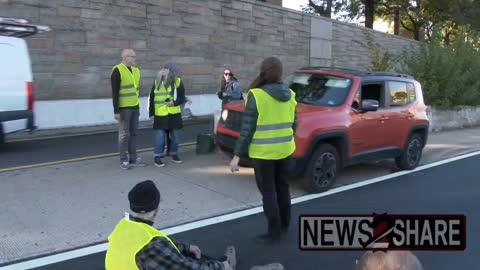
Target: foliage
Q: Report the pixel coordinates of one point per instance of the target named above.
(449, 75)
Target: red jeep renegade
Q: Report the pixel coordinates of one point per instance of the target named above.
(345, 117)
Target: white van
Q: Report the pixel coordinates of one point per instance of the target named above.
(16, 87)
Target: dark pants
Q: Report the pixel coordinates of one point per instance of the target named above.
(127, 134)
(272, 181)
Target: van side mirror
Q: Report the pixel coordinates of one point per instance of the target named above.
(369, 105)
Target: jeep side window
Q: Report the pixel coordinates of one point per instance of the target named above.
(412, 96)
(374, 91)
(399, 94)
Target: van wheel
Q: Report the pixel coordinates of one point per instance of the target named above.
(322, 169)
(412, 154)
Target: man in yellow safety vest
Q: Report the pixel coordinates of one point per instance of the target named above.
(135, 244)
(125, 80)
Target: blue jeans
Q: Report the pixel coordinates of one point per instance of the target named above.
(161, 138)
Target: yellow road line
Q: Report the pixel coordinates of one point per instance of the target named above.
(77, 159)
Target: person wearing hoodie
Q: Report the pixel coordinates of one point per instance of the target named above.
(166, 97)
(267, 138)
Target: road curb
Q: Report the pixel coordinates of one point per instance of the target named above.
(90, 130)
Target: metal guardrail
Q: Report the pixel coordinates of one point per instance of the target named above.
(13, 27)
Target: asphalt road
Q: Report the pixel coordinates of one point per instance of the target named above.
(23, 153)
(452, 188)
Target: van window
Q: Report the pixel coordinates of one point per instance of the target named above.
(398, 93)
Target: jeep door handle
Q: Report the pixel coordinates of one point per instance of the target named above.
(383, 118)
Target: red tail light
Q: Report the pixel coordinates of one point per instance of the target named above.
(30, 95)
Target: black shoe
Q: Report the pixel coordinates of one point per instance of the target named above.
(176, 159)
(268, 238)
(158, 162)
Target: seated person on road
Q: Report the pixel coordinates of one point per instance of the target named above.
(135, 244)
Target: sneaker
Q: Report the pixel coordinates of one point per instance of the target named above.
(125, 165)
(271, 266)
(176, 159)
(231, 256)
(158, 162)
(137, 163)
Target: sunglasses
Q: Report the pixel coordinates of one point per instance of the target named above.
(227, 74)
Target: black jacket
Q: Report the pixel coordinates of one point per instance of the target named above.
(171, 121)
(278, 91)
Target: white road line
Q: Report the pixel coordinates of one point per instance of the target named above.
(223, 218)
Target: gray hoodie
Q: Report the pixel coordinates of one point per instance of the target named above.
(279, 91)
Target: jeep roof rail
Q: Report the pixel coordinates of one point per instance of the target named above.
(384, 73)
(20, 28)
(357, 72)
(326, 68)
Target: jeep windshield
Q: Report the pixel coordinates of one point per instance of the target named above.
(319, 89)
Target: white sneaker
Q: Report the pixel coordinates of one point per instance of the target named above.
(125, 165)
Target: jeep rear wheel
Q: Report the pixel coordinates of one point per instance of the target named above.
(322, 169)
(412, 154)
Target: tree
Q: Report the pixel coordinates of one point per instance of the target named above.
(325, 8)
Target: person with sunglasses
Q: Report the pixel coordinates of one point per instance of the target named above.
(230, 89)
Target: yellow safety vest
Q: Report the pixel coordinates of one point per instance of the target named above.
(161, 94)
(273, 138)
(129, 83)
(126, 240)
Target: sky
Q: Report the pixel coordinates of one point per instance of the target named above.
(294, 4)
(297, 4)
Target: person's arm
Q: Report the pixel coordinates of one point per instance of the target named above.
(160, 254)
(249, 125)
(180, 95)
(151, 102)
(236, 91)
(115, 81)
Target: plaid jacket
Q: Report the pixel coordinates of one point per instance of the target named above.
(159, 254)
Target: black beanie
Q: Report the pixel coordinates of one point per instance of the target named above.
(144, 196)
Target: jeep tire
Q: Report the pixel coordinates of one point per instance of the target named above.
(412, 153)
(322, 169)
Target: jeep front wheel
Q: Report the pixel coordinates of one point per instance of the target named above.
(412, 153)
(322, 169)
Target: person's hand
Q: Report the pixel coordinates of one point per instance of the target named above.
(170, 103)
(195, 251)
(234, 164)
(227, 266)
(117, 116)
(224, 94)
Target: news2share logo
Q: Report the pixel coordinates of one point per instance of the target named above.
(383, 232)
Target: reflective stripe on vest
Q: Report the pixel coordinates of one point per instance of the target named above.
(160, 95)
(273, 138)
(126, 240)
(129, 82)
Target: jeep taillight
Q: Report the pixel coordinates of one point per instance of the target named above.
(30, 96)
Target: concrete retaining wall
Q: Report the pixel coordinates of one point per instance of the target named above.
(461, 117)
(72, 63)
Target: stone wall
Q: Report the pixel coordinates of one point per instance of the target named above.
(204, 36)
(345, 45)
(74, 60)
